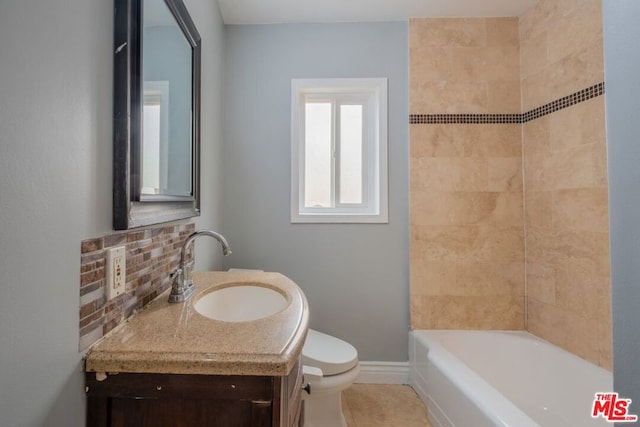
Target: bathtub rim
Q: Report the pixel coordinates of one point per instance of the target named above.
(481, 393)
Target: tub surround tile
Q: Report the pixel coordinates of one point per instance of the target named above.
(569, 75)
(467, 278)
(533, 55)
(472, 312)
(581, 209)
(443, 96)
(466, 178)
(605, 334)
(473, 64)
(466, 208)
(448, 32)
(502, 32)
(522, 156)
(571, 331)
(577, 125)
(476, 59)
(432, 63)
(538, 209)
(566, 198)
(466, 140)
(504, 96)
(580, 26)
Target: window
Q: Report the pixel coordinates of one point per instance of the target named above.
(339, 150)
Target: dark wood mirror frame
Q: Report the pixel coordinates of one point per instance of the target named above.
(128, 210)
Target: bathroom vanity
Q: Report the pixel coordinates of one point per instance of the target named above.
(170, 365)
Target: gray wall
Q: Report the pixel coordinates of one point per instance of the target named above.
(55, 188)
(167, 57)
(354, 276)
(622, 78)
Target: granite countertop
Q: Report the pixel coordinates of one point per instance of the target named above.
(175, 339)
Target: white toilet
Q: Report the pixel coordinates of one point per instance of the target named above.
(330, 365)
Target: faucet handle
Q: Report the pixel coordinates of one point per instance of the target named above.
(176, 277)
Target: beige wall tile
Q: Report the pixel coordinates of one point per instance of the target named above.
(466, 208)
(579, 28)
(474, 312)
(503, 97)
(482, 278)
(505, 174)
(489, 140)
(452, 174)
(467, 222)
(605, 335)
(533, 55)
(559, 246)
(429, 63)
(579, 124)
(536, 147)
(467, 278)
(579, 292)
(577, 167)
(538, 18)
(438, 97)
(435, 140)
(541, 282)
(499, 244)
(485, 64)
(431, 278)
(414, 182)
(570, 74)
(570, 331)
(450, 32)
(503, 32)
(538, 212)
(581, 209)
(444, 243)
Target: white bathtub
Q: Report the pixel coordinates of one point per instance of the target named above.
(502, 378)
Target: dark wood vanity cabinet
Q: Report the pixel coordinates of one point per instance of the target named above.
(169, 400)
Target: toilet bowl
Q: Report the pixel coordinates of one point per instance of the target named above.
(330, 365)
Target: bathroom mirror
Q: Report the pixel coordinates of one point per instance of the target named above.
(156, 176)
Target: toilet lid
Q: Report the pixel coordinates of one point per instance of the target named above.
(328, 353)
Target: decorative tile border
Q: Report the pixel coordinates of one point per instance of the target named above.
(433, 119)
(151, 255)
(567, 101)
(551, 107)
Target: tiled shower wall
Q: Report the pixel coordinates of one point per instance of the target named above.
(469, 122)
(467, 229)
(566, 195)
(151, 255)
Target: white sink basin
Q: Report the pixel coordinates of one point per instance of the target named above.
(241, 303)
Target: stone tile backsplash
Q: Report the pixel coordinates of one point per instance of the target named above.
(151, 255)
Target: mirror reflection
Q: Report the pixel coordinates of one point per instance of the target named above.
(167, 155)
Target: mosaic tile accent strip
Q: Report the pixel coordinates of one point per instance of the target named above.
(551, 107)
(151, 255)
(433, 119)
(562, 103)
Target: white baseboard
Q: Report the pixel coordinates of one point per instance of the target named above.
(383, 373)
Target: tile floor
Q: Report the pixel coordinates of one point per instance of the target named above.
(377, 405)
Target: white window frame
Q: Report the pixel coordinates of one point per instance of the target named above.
(373, 91)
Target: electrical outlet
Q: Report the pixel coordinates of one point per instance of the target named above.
(116, 271)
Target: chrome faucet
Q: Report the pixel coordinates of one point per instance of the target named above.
(182, 287)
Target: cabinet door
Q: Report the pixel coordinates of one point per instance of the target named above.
(153, 400)
(189, 412)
